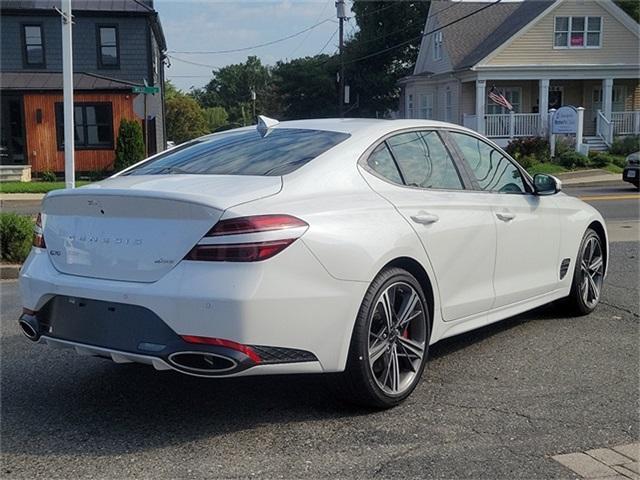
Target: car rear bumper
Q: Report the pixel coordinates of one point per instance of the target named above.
(631, 175)
(284, 305)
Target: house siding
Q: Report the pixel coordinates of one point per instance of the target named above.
(132, 33)
(42, 147)
(535, 47)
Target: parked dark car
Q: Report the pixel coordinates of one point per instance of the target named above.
(631, 172)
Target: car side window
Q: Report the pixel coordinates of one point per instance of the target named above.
(424, 161)
(382, 162)
(492, 170)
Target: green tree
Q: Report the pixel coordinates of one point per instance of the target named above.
(184, 119)
(130, 144)
(170, 90)
(382, 25)
(305, 87)
(216, 117)
(632, 7)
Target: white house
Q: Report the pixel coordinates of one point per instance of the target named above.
(541, 54)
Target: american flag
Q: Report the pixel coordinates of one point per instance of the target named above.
(499, 98)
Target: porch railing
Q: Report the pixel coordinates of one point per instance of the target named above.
(512, 125)
(604, 128)
(626, 123)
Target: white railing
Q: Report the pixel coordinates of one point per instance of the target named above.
(512, 125)
(604, 128)
(626, 123)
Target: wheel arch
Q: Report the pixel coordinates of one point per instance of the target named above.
(418, 271)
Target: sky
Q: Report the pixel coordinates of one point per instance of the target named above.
(214, 25)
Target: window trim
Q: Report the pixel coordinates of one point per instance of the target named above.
(527, 180)
(438, 42)
(585, 32)
(99, 46)
(460, 167)
(85, 146)
(428, 95)
(25, 57)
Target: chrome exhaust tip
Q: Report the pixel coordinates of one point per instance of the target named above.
(30, 327)
(203, 362)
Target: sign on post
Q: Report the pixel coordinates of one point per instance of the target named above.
(565, 120)
(146, 90)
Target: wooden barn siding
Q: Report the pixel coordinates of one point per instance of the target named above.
(42, 146)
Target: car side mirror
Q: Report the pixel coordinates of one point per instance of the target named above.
(546, 184)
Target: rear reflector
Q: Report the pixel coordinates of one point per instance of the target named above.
(38, 234)
(255, 224)
(239, 252)
(220, 342)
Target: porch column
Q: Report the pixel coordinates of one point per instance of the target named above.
(543, 104)
(607, 97)
(481, 87)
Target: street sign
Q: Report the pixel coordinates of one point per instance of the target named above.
(565, 120)
(145, 90)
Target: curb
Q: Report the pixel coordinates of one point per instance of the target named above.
(601, 183)
(9, 271)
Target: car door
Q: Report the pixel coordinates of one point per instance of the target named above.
(528, 225)
(416, 173)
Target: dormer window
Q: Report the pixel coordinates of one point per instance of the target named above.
(108, 48)
(33, 46)
(578, 32)
(437, 46)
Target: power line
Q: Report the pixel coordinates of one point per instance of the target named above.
(266, 44)
(306, 37)
(328, 41)
(198, 64)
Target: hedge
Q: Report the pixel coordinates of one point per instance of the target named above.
(16, 236)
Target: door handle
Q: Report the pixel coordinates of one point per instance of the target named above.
(505, 216)
(425, 218)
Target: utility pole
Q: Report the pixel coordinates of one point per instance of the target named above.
(67, 87)
(341, 13)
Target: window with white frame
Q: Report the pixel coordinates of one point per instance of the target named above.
(448, 106)
(513, 94)
(437, 46)
(410, 111)
(426, 105)
(577, 32)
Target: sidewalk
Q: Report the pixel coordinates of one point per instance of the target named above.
(585, 178)
(615, 463)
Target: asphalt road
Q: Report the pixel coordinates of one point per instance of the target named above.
(495, 403)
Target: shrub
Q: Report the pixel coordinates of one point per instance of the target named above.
(538, 147)
(602, 159)
(48, 176)
(130, 146)
(571, 159)
(16, 236)
(97, 175)
(528, 161)
(625, 145)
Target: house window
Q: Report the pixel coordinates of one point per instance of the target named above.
(33, 46)
(437, 46)
(618, 98)
(513, 94)
(410, 112)
(108, 48)
(577, 32)
(448, 106)
(93, 126)
(426, 105)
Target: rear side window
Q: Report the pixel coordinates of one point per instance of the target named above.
(424, 161)
(382, 162)
(492, 170)
(280, 152)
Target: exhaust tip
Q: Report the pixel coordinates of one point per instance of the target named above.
(203, 362)
(29, 327)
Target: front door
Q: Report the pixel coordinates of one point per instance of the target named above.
(456, 227)
(12, 140)
(528, 226)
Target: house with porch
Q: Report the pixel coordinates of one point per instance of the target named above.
(540, 54)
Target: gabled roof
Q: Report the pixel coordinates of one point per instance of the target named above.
(472, 39)
(53, 81)
(129, 6)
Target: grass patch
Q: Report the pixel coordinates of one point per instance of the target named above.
(34, 187)
(548, 168)
(613, 168)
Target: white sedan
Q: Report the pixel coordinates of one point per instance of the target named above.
(308, 246)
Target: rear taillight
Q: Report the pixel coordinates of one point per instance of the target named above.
(248, 239)
(38, 233)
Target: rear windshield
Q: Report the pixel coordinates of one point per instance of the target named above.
(282, 151)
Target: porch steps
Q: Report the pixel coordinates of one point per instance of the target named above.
(596, 144)
(15, 173)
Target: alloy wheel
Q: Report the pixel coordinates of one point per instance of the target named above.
(592, 270)
(397, 338)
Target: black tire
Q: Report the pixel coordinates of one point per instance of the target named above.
(578, 302)
(358, 384)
